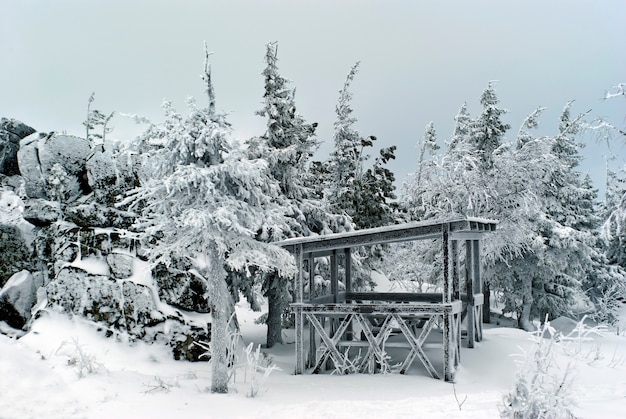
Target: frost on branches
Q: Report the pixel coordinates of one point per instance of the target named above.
(202, 200)
(546, 253)
(287, 146)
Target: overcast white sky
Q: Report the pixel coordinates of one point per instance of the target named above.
(420, 61)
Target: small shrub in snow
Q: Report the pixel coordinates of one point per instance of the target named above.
(542, 389)
(84, 362)
(258, 368)
(160, 384)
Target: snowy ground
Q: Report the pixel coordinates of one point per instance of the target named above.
(40, 376)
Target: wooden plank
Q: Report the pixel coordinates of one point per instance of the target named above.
(374, 308)
(431, 297)
(330, 298)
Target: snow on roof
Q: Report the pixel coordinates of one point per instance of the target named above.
(396, 232)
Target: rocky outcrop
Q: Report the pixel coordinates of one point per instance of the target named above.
(11, 132)
(16, 127)
(38, 157)
(110, 175)
(14, 252)
(96, 215)
(82, 246)
(127, 307)
(17, 299)
(41, 212)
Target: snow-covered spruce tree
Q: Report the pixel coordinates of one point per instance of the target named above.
(204, 201)
(287, 146)
(614, 227)
(367, 196)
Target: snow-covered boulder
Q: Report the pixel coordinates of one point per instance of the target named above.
(110, 175)
(93, 215)
(127, 307)
(9, 144)
(14, 252)
(16, 127)
(30, 167)
(179, 288)
(41, 157)
(41, 212)
(11, 132)
(120, 264)
(17, 298)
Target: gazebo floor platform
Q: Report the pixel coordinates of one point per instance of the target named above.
(385, 337)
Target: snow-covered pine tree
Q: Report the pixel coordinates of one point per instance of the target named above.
(287, 146)
(367, 196)
(462, 128)
(487, 131)
(202, 200)
(486, 135)
(614, 227)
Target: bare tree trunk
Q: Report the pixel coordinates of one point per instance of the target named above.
(275, 300)
(487, 302)
(220, 312)
(523, 319)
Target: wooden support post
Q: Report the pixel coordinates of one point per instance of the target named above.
(478, 286)
(348, 253)
(311, 259)
(447, 292)
(299, 288)
(348, 284)
(456, 293)
(334, 276)
(469, 289)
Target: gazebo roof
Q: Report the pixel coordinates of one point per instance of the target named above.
(467, 227)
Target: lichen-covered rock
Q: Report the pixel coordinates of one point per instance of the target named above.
(95, 215)
(121, 265)
(30, 167)
(16, 127)
(127, 307)
(41, 212)
(101, 299)
(14, 252)
(181, 289)
(44, 161)
(17, 298)
(66, 150)
(9, 145)
(110, 175)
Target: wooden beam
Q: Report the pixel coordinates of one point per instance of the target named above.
(334, 276)
(388, 234)
(425, 297)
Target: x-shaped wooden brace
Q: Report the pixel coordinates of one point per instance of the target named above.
(416, 345)
(374, 341)
(330, 343)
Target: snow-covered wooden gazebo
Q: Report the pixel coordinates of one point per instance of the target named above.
(350, 330)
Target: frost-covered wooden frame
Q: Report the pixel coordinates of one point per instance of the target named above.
(343, 309)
